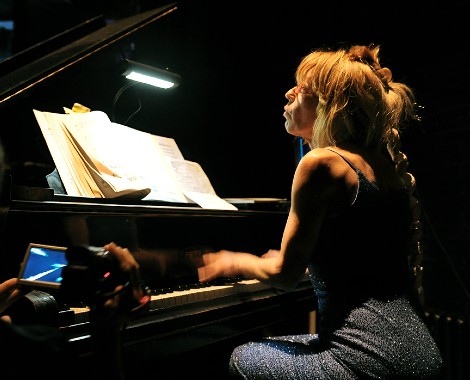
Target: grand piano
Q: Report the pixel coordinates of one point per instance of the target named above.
(188, 330)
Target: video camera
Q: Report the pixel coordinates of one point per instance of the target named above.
(90, 276)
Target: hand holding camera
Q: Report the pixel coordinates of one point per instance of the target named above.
(105, 279)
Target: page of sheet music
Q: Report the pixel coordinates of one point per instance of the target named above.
(126, 153)
(196, 185)
(56, 142)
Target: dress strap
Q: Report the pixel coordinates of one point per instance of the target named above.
(344, 158)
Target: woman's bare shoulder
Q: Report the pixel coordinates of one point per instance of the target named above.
(321, 181)
(324, 161)
(318, 168)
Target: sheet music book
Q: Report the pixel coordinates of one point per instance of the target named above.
(101, 159)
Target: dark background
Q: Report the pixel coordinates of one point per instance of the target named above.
(237, 59)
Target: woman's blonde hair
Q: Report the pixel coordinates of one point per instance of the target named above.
(358, 100)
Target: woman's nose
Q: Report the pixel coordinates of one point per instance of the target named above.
(290, 95)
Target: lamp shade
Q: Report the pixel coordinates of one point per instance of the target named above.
(150, 75)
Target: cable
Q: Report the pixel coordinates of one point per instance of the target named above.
(116, 98)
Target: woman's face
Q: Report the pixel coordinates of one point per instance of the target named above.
(300, 112)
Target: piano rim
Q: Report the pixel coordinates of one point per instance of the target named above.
(23, 206)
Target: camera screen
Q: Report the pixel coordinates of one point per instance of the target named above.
(42, 266)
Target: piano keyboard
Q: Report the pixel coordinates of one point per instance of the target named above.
(204, 292)
(191, 294)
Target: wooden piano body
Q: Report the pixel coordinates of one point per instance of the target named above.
(189, 333)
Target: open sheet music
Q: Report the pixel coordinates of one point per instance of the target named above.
(101, 159)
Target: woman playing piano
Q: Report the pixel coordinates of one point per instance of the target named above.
(350, 226)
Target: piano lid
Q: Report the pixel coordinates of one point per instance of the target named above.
(23, 77)
(65, 70)
(40, 49)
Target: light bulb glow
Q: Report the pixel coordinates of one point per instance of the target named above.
(149, 80)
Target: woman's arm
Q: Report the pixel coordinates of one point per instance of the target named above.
(311, 191)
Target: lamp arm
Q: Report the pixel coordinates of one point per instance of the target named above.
(116, 98)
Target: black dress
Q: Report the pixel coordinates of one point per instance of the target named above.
(369, 326)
